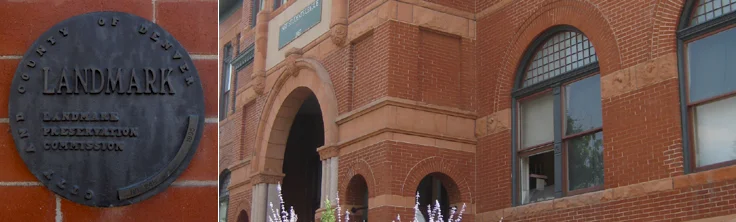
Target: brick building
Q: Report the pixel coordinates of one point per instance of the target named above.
(558, 110)
(192, 197)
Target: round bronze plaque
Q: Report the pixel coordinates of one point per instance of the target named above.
(106, 109)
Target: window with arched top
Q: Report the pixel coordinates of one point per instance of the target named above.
(706, 53)
(558, 127)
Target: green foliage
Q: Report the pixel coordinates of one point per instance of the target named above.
(328, 215)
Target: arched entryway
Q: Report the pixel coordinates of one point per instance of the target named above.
(434, 188)
(298, 119)
(302, 167)
(356, 198)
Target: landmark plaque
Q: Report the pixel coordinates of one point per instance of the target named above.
(106, 109)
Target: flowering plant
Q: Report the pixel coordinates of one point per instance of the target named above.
(435, 213)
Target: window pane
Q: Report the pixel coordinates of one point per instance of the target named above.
(537, 121)
(583, 105)
(228, 76)
(585, 161)
(223, 211)
(712, 70)
(715, 132)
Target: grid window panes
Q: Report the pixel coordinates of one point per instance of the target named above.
(706, 10)
(711, 100)
(561, 53)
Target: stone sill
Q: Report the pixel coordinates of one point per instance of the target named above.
(618, 193)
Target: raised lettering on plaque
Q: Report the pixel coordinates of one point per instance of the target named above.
(106, 109)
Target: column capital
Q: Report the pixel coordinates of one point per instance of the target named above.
(268, 178)
(328, 151)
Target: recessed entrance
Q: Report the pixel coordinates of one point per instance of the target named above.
(357, 198)
(302, 166)
(431, 190)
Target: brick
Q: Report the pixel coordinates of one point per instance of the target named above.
(7, 72)
(193, 23)
(13, 167)
(33, 203)
(208, 75)
(174, 204)
(26, 20)
(204, 164)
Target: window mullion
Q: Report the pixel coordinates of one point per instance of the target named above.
(558, 139)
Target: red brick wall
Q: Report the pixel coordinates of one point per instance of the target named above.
(430, 66)
(635, 155)
(439, 68)
(194, 25)
(354, 6)
(370, 70)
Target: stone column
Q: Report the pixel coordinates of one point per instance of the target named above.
(261, 47)
(258, 202)
(333, 178)
(330, 163)
(264, 192)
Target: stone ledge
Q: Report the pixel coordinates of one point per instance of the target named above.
(405, 103)
(618, 193)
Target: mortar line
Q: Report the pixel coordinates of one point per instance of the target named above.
(153, 2)
(203, 57)
(195, 183)
(59, 215)
(4, 120)
(11, 57)
(20, 184)
(211, 120)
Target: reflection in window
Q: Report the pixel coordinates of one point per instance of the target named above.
(583, 119)
(585, 161)
(711, 83)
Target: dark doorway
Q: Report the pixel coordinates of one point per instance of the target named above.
(430, 191)
(243, 216)
(357, 196)
(302, 166)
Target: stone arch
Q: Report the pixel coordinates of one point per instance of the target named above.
(243, 206)
(300, 78)
(579, 14)
(446, 171)
(359, 168)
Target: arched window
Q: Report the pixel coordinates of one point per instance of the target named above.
(558, 130)
(224, 194)
(707, 52)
